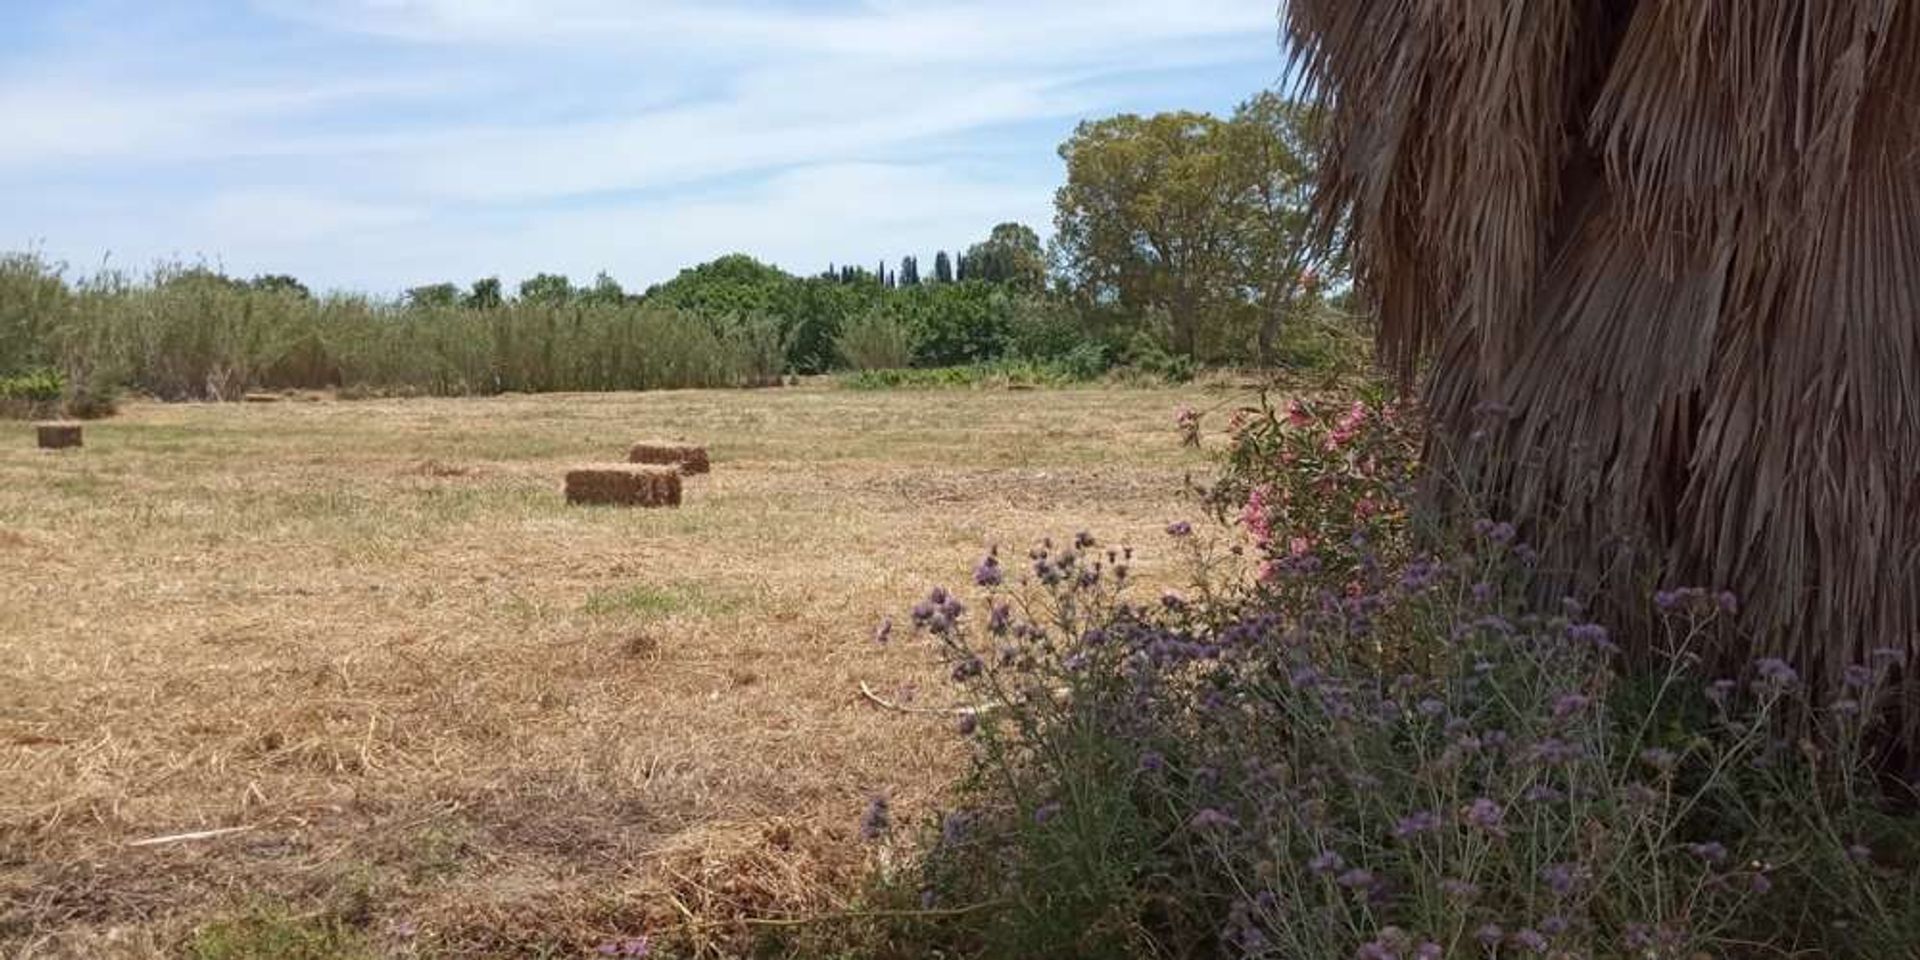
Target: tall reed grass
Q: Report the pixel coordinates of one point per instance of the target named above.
(188, 335)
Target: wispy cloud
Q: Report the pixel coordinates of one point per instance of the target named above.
(379, 143)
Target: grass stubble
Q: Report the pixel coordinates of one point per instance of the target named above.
(455, 716)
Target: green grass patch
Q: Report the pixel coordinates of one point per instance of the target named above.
(274, 934)
(646, 601)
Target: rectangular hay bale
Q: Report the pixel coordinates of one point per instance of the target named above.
(57, 436)
(622, 485)
(690, 458)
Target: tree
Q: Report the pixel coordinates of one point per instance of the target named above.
(942, 268)
(551, 289)
(280, 283)
(605, 291)
(485, 295)
(909, 272)
(1188, 216)
(433, 295)
(1010, 255)
(1658, 261)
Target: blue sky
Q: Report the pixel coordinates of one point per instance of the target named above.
(377, 144)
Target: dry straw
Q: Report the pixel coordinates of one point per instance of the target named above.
(689, 458)
(625, 486)
(57, 436)
(1662, 263)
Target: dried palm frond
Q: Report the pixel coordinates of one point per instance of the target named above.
(1661, 262)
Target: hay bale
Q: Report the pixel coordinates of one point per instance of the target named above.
(260, 398)
(622, 485)
(689, 458)
(57, 436)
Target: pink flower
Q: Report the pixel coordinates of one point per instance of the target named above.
(1364, 509)
(1297, 414)
(1299, 546)
(1254, 515)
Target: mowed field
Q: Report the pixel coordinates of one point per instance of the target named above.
(455, 715)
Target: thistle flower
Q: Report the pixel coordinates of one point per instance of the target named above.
(967, 723)
(1484, 814)
(1179, 528)
(1530, 940)
(884, 632)
(1490, 935)
(1416, 823)
(1046, 812)
(1325, 862)
(1712, 851)
(1209, 820)
(878, 819)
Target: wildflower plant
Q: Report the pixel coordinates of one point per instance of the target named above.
(1394, 757)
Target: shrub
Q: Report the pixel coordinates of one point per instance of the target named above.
(33, 394)
(1342, 753)
(875, 340)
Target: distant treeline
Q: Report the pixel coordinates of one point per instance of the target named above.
(1177, 245)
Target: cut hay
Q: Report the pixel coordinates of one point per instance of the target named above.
(689, 458)
(57, 436)
(625, 486)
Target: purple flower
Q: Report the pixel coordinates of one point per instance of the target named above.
(1857, 676)
(966, 723)
(1568, 704)
(1428, 950)
(1659, 758)
(885, 630)
(1712, 851)
(1718, 691)
(1432, 708)
(1490, 935)
(1775, 672)
(1501, 532)
(1638, 937)
(1152, 762)
(1543, 793)
(1561, 878)
(875, 823)
(1459, 889)
(1355, 878)
(1325, 862)
(953, 827)
(1179, 528)
(1482, 592)
(998, 618)
(1046, 812)
(1666, 599)
(1728, 601)
(1375, 950)
(1554, 926)
(1484, 814)
(1530, 940)
(1416, 823)
(1760, 885)
(1209, 819)
(1859, 854)
(1554, 752)
(988, 574)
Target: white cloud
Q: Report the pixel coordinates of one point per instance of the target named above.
(382, 143)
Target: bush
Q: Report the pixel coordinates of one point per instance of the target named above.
(32, 394)
(1340, 751)
(875, 340)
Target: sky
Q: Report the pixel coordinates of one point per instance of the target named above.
(374, 145)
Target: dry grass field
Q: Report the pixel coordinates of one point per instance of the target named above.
(453, 714)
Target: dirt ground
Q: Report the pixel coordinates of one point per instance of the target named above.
(438, 707)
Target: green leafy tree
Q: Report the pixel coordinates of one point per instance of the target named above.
(433, 295)
(942, 268)
(280, 283)
(1187, 217)
(551, 289)
(484, 295)
(1010, 255)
